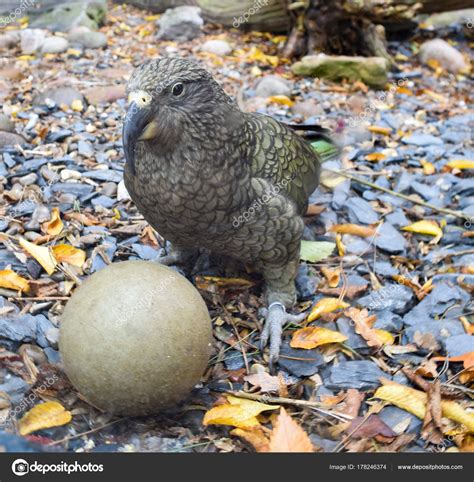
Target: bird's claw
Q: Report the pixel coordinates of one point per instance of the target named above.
(276, 318)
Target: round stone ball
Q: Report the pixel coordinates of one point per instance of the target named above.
(135, 338)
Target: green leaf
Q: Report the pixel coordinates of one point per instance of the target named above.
(314, 251)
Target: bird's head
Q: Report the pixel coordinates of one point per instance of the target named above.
(167, 98)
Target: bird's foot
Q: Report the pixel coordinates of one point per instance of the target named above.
(176, 256)
(276, 318)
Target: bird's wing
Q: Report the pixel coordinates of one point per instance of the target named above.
(282, 157)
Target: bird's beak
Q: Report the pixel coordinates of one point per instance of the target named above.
(138, 126)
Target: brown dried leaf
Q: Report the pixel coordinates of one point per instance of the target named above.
(288, 436)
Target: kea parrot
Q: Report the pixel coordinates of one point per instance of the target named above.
(207, 175)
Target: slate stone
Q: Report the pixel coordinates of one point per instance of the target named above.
(305, 283)
(85, 149)
(103, 175)
(459, 345)
(432, 334)
(380, 268)
(18, 328)
(418, 139)
(392, 297)
(302, 363)
(362, 375)
(444, 296)
(14, 443)
(104, 201)
(15, 387)
(110, 246)
(393, 416)
(389, 239)
(46, 332)
(360, 211)
(72, 188)
(234, 360)
(355, 341)
(386, 320)
(145, 252)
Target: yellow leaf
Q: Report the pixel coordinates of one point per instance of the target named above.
(281, 100)
(385, 337)
(10, 280)
(332, 275)
(77, 105)
(288, 436)
(239, 412)
(461, 164)
(326, 305)
(26, 57)
(375, 156)
(54, 226)
(44, 415)
(341, 249)
(313, 336)
(428, 168)
(385, 131)
(414, 401)
(404, 90)
(425, 227)
(256, 55)
(43, 255)
(355, 229)
(68, 254)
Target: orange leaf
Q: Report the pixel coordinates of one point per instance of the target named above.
(288, 436)
(10, 280)
(313, 336)
(254, 437)
(54, 226)
(355, 229)
(281, 100)
(363, 322)
(375, 156)
(332, 275)
(44, 415)
(68, 254)
(467, 359)
(326, 305)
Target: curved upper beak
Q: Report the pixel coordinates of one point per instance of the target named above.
(136, 128)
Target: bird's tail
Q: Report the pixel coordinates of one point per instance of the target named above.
(321, 140)
(327, 149)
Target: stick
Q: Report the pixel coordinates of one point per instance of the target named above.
(289, 401)
(457, 214)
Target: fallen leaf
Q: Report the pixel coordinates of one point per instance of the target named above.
(263, 380)
(428, 167)
(351, 291)
(385, 131)
(288, 436)
(355, 229)
(313, 336)
(42, 254)
(77, 105)
(239, 412)
(363, 326)
(44, 415)
(280, 100)
(10, 280)
(54, 226)
(415, 402)
(314, 251)
(466, 358)
(426, 226)
(461, 164)
(341, 249)
(369, 428)
(255, 437)
(68, 254)
(206, 282)
(314, 210)
(375, 156)
(326, 305)
(332, 275)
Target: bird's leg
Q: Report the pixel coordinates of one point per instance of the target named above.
(183, 257)
(280, 295)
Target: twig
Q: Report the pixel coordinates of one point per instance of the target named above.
(457, 214)
(72, 437)
(289, 401)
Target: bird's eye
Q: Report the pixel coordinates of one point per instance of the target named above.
(177, 89)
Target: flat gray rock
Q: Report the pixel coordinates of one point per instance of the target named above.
(362, 375)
